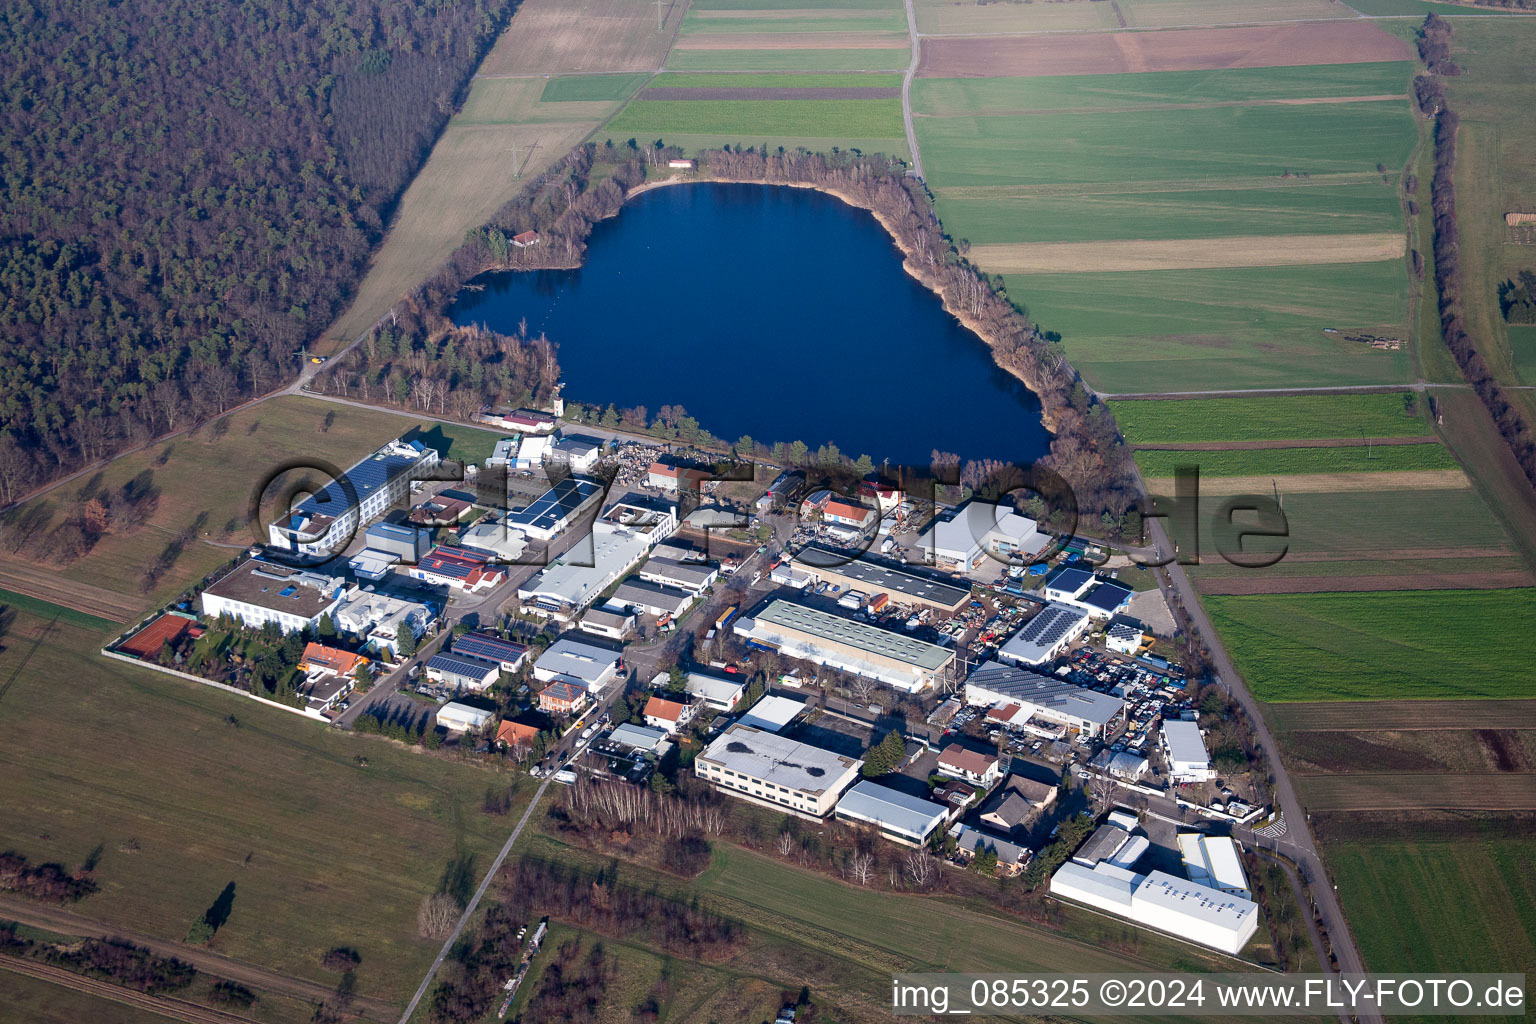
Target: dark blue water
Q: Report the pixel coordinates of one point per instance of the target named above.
(777, 312)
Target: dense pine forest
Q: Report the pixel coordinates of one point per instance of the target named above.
(191, 191)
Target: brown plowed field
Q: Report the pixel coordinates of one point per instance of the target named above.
(1255, 583)
(567, 36)
(1494, 791)
(856, 92)
(166, 1006)
(1324, 483)
(1202, 49)
(1310, 442)
(1402, 715)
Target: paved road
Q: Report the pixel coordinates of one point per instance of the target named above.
(906, 90)
(469, 910)
(55, 919)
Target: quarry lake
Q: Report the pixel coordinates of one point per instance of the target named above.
(778, 312)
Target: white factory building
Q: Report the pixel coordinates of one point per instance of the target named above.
(1214, 861)
(322, 524)
(1042, 698)
(456, 717)
(897, 816)
(1184, 749)
(1176, 906)
(568, 585)
(769, 769)
(1044, 637)
(257, 592)
(979, 529)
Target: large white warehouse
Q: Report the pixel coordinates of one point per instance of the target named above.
(1162, 902)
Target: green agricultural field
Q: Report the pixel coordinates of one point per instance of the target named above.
(1167, 146)
(1271, 418)
(894, 59)
(330, 839)
(1416, 8)
(949, 97)
(1283, 461)
(1437, 906)
(833, 119)
(1411, 645)
(40, 1002)
(782, 80)
(1176, 13)
(700, 23)
(1361, 204)
(591, 88)
(1195, 330)
(971, 17)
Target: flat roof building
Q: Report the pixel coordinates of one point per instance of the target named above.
(717, 693)
(872, 577)
(1045, 636)
(776, 771)
(650, 598)
(825, 639)
(772, 713)
(403, 540)
(576, 452)
(568, 585)
(1162, 902)
(1046, 697)
(557, 508)
(571, 658)
(456, 717)
(323, 523)
(1184, 748)
(376, 618)
(904, 819)
(693, 577)
(257, 592)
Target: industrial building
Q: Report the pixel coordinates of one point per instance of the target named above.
(496, 539)
(403, 540)
(508, 654)
(825, 639)
(1214, 861)
(1184, 749)
(257, 592)
(1042, 699)
(1079, 588)
(577, 453)
(650, 599)
(839, 512)
(610, 624)
(456, 717)
(717, 694)
(573, 659)
(694, 577)
(462, 672)
(1123, 636)
(322, 524)
(772, 713)
(1161, 902)
(675, 479)
(977, 530)
(458, 569)
(638, 737)
(904, 819)
(769, 769)
(1045, 636)
(568, 585)
(556, 509)
(872, 577)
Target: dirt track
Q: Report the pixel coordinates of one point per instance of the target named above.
(54, 919)
(26, 578)
(792, 41)
(1323, 483)
(1206, 49)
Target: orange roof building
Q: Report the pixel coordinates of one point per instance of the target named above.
(318, 657)
(666, 714)
(516, 734)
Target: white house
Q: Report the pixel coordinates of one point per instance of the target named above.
(572, 659)
(377, 618)
(972, 766)
(1123, 637)
(716, 693)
